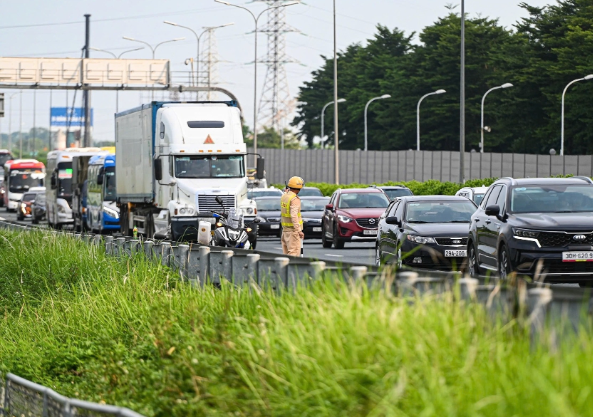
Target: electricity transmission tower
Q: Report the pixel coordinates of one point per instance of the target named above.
(276, 104)
(209, 60)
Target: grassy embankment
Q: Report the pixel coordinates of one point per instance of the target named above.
(128, 333)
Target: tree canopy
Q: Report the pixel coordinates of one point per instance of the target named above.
(539, 56)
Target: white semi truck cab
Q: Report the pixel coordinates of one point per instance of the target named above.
(173, 159)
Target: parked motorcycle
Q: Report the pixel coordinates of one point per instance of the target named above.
(231, 232)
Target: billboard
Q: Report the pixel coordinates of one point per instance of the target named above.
(68, 116)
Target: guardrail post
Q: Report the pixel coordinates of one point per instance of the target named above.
(227, 264)
(109, 245)
(166, 253)
(358, 272)
(280, 273)
(406, 281)
(467, 288)
(86, 238)
(97, 240)
(183, 261)
(134, 247)
(204, 264)
(119, 243)
(148, 244)
(251, 268)
(538, 302)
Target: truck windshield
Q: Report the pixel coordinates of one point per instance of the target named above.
(64, 179)
(109, 184)
(21, 180)
(209, 166)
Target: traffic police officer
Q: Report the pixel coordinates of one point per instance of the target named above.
(292, 223)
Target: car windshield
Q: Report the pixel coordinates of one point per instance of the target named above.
(478, 198)
(552, 199)
(440, 211)
(29, 197)
(209, 166)
(268, 204)
(397, 192)
(310, 192)
(263, 193)
(110, 184)
(4, 157)
(40, 198)
(317, 204)
(363, 200)
(22, 180)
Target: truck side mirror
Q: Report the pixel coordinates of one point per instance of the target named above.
(260, 173)
(54, 182)
(158, 169)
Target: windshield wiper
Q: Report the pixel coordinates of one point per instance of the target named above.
(458, 221)
(418, 221)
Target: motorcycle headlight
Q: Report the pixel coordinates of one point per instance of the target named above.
(344, 219)
(525, 233)
(420, 239)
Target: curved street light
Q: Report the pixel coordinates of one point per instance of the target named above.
(418, 115)
(255, 20)
(342, 100)
(198, 37)
(586, 78)
(384, 96)
(507, 85)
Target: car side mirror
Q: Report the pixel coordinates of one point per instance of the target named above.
(256, 220)
(218, 200)
(329, 207)
(393, 220)
(492, 210)
(158, 169)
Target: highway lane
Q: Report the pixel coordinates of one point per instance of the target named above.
(359, 253)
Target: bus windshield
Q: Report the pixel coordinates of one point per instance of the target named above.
(21, 180)
(64, 179)
(109, 184)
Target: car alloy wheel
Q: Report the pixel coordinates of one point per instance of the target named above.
(504, 264)
(326, 243)
(472, 262)
(338, 243)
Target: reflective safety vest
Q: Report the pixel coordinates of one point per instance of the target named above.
(285, 209)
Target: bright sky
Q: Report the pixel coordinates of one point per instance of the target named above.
(112, 19)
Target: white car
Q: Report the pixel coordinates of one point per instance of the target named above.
(476, 194)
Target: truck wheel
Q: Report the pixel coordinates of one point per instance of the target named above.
(124, 223)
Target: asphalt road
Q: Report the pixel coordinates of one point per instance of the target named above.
(359, 253)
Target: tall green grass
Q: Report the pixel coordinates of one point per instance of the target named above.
(129, 333)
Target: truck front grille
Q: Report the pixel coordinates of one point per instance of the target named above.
(208, 202)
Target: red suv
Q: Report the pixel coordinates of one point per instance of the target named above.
(352, 215)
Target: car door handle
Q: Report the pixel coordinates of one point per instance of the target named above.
(488, 221)
(476, 220)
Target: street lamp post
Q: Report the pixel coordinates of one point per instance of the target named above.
(10, 121)
(588, 77)
(462, 99)
(116, 57)
(255, 20)
(507, 85)
(418, 115)
(384, 96)
(153, 49)
(198, 37)
(342, 100)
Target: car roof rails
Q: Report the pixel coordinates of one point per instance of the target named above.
(513, 181)
(586, 179)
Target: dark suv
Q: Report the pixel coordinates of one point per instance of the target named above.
(535, 225)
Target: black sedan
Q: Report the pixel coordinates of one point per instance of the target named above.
(425, 231)
(268, 213)
(38, 208)
(312, 209)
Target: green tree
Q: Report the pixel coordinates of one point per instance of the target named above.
(271, 138)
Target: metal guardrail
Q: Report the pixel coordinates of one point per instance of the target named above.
(21, 397)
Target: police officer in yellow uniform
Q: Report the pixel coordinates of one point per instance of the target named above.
(292, 223)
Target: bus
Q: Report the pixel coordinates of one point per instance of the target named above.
(59, 185)
(102, 211)
(19, 176)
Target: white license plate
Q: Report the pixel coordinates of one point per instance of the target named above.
(317, 229)
(370, 232)
(461, 253)
(274, 226)
(577, 256)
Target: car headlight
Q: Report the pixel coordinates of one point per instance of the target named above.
(110, 212)
(344, 219)
(187, 211)
(248, 210)
(61, 209)
(525, 233)
(420, 239)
